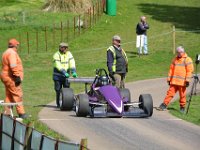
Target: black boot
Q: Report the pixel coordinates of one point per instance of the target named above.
(57, 99)
(24, 116)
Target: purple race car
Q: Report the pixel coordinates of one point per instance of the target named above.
(104, 100)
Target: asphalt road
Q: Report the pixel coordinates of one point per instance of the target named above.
(161, 131)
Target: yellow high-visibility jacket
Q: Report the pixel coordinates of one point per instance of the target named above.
(63, 62)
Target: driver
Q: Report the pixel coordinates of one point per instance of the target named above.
(102, 81)
(64, 64)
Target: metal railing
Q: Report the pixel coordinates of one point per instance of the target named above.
(15, 135)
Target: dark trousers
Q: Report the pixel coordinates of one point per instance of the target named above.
(58, 84)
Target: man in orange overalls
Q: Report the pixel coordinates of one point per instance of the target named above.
(12, 75)
(179, 77)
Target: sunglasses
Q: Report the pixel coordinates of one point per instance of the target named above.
(118, 41)
(64, 47)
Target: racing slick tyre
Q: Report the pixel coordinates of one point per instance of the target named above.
(82, 105)
(66, 99)
(126, 93)
(146, 103)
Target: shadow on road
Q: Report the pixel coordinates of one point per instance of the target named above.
(48, 106)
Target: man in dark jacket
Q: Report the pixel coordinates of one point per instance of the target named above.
(141, 31)
(117, 62)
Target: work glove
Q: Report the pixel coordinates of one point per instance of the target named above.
(168, 82)
(17, 80)
(187, 83)
(67, 75)
(74, 74)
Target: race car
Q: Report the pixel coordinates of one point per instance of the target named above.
(103, 99)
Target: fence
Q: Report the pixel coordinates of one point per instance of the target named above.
(14, 135)
(46, 35)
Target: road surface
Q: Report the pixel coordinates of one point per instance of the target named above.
(161, 131)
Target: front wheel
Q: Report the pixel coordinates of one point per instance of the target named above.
(146, 103)
(82, 105)
(125, 93)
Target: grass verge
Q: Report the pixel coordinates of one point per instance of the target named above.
(193, 113)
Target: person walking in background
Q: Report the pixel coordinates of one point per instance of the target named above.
(141, 40)
(178, 79)
(117, 62)
(12, 75)
(64, 64)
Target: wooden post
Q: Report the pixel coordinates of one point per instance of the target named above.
(79, 25)
(20, 45)
(103, 4)
(83, 144)
(74, 27)
(37, 40)
(45, 36)
(93, 15)
(27, 140)
(90, 17)
(54, 37)
(174, 39)
(61, 30)
(28, 46)
(97, 11)
(67, 30)
(84, 22)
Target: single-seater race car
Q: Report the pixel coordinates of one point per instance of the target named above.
(104, 99)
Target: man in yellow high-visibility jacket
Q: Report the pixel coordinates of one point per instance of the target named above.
(117, 62)
(179, 77)
(64, 64)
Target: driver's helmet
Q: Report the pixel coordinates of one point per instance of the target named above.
(103, 80)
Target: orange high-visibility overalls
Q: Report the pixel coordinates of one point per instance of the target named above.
(180, 72)
(12, 67)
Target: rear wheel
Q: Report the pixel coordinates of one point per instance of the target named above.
(82, 105)
(125, 93)
(146, 103)
(66, 99)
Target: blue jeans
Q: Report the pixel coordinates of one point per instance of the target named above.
(143, 45)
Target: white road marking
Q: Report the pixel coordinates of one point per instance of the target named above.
(53, 119)
(169, 119)
(176, 119)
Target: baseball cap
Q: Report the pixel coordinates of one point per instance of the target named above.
(13, 42)
(63, 44)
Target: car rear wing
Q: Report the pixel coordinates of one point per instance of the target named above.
(86, 80)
